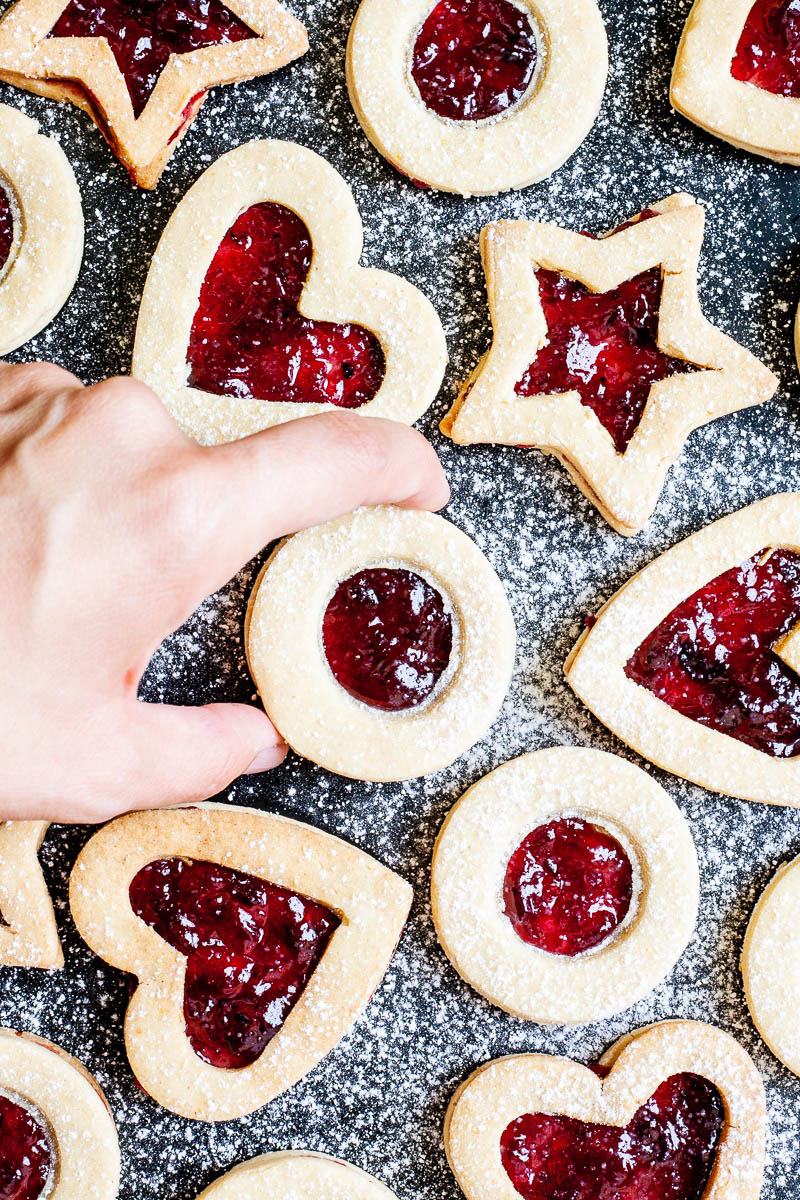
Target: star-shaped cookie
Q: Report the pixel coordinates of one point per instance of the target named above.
(141, 71)
(602, 355)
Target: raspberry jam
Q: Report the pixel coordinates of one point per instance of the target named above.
(143, 34)
(6, 235)
(387, 637)
(711, 659)
(248, 339)
(665, 1153)
(567, 886)
(768, 53)
(25, 1156)
(603, 346)
(473, 59)
(251, 948)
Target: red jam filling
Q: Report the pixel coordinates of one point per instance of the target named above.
(665, 1153)
(474, 59)
(6, 234)
(143, 34)
(387, 637)
(248, 339)
(567, 886)
(251, 948)
(768, 53)
(25, 1158)
(712, 660)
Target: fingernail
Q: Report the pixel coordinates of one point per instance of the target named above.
(267, 759)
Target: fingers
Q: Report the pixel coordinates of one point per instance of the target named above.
(179, 755)
(20, 383)
(306, 472)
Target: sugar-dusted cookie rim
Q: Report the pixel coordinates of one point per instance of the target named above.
(74, 1110)
(85, 72)
(704, 90)
(29, 937)
(47, 249)
(499, 1091)
(296, 1175)
(337, 289)
(371, 900)
(317, 717)
(471, 854)
(519, 147)
(624, 487)
(595, 666)
(771, 965)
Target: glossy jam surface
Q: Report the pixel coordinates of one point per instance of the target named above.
(248, 339)
(603, 346)
(473, 59)
(25, 1157)
(251, 948)
(768, 53)
(711, 658)
(665, 1153)
(143, 34)
(567, 886)
(6, 226)
(388, 637)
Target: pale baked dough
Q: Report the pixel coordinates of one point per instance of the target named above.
(771, 965)
(484, 829)
(595, 666)
(337, 289)
(67, 1100)
(296, 1175)
(624, 487)
(316, 716)
(46, 253)
(704, 90)
(371, 901)
(526, 143)
(29, 937)
(500, 1091)
(84, 72)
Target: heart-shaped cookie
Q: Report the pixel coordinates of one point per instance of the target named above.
(255, 310)
(736, 74)
(694, 662)
(678, 1107)
(257, 940)
(41, 229)
(564, 885)
(296, 1175)
(28, 934)
(57, 1135)
(478, 96)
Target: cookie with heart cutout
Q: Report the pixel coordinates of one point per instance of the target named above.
(477, 96)
(28, 931)
(771, 965)
(614, 400)
(296, 1175)
(713, 618)
(256, 311)
(41, 229)
(184, 898)
(141, 74)
(737, 74)
(564, 885)
(677, 1108)
(400, 654)
(57, 1136)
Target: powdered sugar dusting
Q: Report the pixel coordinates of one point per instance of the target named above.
(379, 1099)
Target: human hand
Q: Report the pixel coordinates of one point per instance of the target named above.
(115, 526)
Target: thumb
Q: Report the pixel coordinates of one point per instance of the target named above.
(186, 754)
